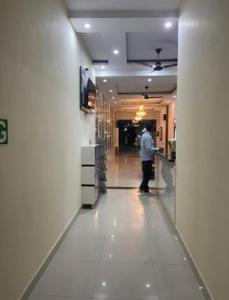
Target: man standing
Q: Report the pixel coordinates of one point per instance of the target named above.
(147, 153)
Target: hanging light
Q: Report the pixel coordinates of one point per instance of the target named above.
(138, 118)
(140, 113)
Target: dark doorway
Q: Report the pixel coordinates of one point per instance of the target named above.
(129, 134)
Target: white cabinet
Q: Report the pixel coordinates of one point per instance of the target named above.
(89, 178)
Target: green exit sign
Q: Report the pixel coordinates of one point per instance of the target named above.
(3, 131)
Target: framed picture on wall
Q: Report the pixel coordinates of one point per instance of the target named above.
(161, 133)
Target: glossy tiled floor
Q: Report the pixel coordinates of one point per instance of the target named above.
(122, 250)
(125, 171)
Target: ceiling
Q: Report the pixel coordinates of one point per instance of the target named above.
(122, 4)
(135, 28)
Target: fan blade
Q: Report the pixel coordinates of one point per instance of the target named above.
(146, 64)
(169, 66)
(158, 97)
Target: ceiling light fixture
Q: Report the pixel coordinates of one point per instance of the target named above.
(116, 51)
(140, 113)
(149, 79)
(138, 118)
(168, 25)
(87, 26)
(103, 67)
(111, 91)
(104, 80)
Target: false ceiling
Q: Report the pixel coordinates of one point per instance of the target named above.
(134, 28)
(123, 4)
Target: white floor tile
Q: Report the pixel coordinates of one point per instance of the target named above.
(124, 280)
(125, 249)
(89, 224)
(76, 280)
(177, 282)
(81, 248)
(166, 251)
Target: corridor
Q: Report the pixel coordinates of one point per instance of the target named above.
(79, 80)
(124, 249)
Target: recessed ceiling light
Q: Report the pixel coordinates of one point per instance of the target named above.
(103, 67)
(116, 51)
(105, 80)
(87, 26)
(168, 25)
(149, 79)
(111, 91)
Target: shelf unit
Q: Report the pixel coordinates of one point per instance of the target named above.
(89, 175)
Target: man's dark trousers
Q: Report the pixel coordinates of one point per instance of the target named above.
(147, 174)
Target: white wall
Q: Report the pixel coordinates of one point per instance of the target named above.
(202, 148)
(40, 57)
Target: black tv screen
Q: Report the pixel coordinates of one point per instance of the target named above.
(87, 91)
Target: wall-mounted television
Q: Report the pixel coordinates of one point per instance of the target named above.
(87, 91)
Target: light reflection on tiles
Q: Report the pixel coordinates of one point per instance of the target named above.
(123, 249)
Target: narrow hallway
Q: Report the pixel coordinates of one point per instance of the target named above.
(123, 249)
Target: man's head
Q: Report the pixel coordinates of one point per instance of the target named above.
(149, 126)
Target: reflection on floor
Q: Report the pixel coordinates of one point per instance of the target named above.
(124, 249)
(125, 171)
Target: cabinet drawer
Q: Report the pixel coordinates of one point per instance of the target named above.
(88, 175)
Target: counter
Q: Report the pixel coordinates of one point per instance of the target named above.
(165, 182)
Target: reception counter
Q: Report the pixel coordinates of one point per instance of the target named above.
(165, 182)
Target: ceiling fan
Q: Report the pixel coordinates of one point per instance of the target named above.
(146, 95)
(158, 66)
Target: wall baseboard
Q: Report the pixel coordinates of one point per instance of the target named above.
(195, 269)
(29, 288)
(191, 260)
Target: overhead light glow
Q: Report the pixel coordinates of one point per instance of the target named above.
(149, 79)
(87, 26)
(104, 80)
(168, 25)
(116, 51)
(140, 113)
(138, 118)
(103, 67)
(111, 91)
(113, 97)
